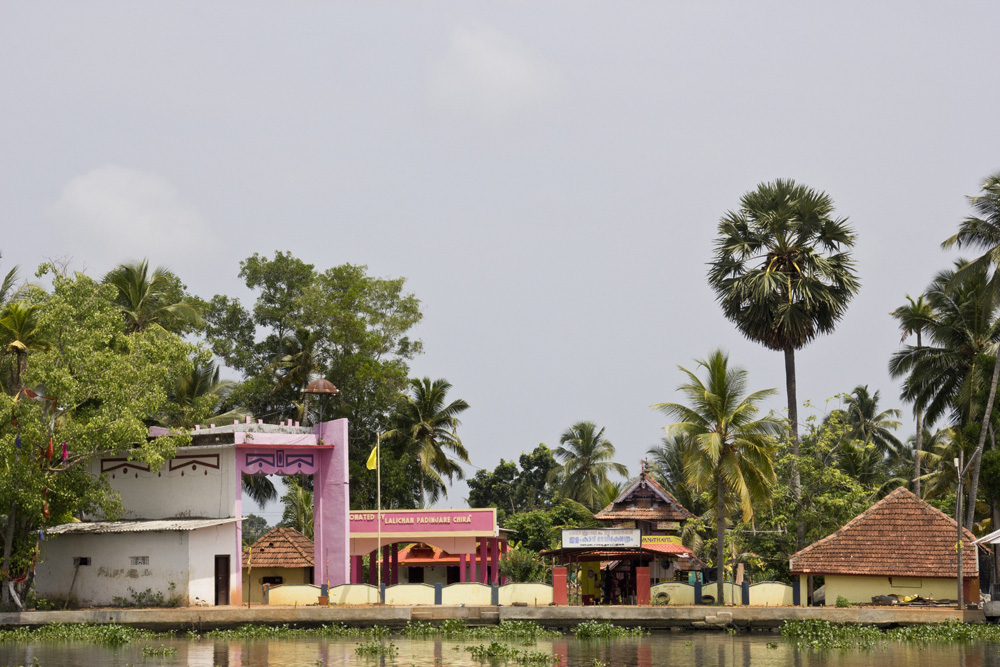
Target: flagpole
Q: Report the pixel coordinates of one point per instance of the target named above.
(378, 495)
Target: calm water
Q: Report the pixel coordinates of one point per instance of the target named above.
(687, 650)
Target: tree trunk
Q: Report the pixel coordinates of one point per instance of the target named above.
(919, 445)
(793, 422)
(977, 456)
(720, 534)
(7, 600)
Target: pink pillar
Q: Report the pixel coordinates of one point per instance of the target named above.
(495, 560)
(385, 565)
(356, 565)
(461, 568)
(395, 564)
(503, 551)
(484, 545)
(331, 503)
(372, 565)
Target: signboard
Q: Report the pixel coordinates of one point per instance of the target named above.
(660, 539)
(630, 525)
(668, 525)
(428, 523)
(601, 538)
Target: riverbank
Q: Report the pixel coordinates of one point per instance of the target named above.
(202, 619)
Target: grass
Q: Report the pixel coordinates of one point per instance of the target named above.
(606, 630)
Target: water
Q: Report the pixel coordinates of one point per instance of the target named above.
(687, 650)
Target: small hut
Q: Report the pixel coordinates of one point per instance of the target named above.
(900, 546)
(281, 556)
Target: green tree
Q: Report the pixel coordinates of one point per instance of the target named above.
(783, 273)
(867, 424)
(915, 317)
(732, 446)
(254, 528)
(195, 396)
(359, 333)
(95, 388)
(949, 375)
(982, 230)
(428, 425)
(20, 333)
(508, 487)
(298, 507)
(586, 462)
(154, 300)
(666, 464)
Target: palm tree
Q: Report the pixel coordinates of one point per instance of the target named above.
(20, 333)
(914, 318)
(428, 428)
(7, 290)
(298, 512)
(193, 394)
(666, 464)
(297, 363)
(733, 450)
(866, 424)
(586, 462)
(782, 272)
(147, 301)
(982, 230)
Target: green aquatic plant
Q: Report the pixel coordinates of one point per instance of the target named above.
(375, 647)
(160, 651)
(109, 633)
(497, 652)
(606, 630)
(824, 634)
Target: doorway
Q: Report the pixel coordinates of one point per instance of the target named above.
(222, 580)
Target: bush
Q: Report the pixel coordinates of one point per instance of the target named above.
(522, 565)
(842, 601)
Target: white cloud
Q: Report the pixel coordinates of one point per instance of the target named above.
(114, 213)
(492, 77)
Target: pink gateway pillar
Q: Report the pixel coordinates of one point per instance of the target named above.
(331, 502)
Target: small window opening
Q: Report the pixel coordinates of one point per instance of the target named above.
(81, 560)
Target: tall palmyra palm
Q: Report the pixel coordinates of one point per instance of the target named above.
(950, 374)
(20, 334)
(783, 274)
(867, 424)
(733, 448)
(982, 230)
(427, 426)
(145, 299)
(586, 463)
(915, 317)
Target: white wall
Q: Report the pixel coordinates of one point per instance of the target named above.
(183, 487)
(203, 546)
(111, 572)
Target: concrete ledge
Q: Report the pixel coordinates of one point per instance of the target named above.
(680, 617)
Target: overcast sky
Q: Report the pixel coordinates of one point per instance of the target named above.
(547, 176)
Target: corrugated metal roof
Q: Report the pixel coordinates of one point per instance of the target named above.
(149, 526)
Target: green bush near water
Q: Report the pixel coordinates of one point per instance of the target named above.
(606, 630)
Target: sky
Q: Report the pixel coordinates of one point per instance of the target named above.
(548, 177)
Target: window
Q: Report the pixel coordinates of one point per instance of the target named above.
(415, 575)
(81, 560)
(139, 560)
(272, 581)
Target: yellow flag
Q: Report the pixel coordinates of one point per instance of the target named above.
(373, 458)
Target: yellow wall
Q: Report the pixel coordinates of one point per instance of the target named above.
(293, 594)
(468, 594)
(861, 589)
(675, 591)
(354, 594)
(770, 594)
(298, 575)
(532, 595)
(409, 594)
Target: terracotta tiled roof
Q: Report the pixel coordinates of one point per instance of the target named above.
(422, 555)
(899, 536)
(281, 547)
(663, 506)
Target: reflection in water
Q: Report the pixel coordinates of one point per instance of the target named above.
(689, 650)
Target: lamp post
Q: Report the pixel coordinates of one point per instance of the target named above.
(321, 387)
(958, 521)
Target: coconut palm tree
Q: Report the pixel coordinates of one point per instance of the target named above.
(147, 301)
(296, 364)
(867, 425)
(20, 334)
(427, 426)
(586, 462)
(666, 464)
(733, 450)
(783, 273)
(298, 511)
(982, 230)
(915, 317)
(194, 394)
